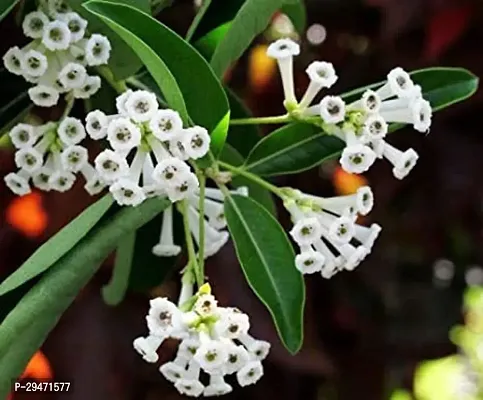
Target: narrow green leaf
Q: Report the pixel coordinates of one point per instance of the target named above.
(295, 10)
(40, 309)
(267, 260)
(123, 61)
(298, 147)
(113, 293)
(205, 99)
(6, 6)
(58, 245)
(252, 18)
(198, 17)
(255, 191)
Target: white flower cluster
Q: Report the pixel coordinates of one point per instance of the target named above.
(326, 230)
(362, 124)
(160, 144)
(56, 60)
(51, 155)
(213, 340)
(215, 222)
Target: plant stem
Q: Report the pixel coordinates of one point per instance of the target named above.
(255, 178)
(201, 210)
(183, 205)
(106, 73)
(70, 100)
(280, 119)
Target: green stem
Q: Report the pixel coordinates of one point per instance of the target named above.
(183, 207)
(70, 100)
(119, 86)
(201, 210)
(280, 119)
(240, 171)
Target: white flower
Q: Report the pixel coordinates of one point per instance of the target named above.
(77, 50)
(369, 103)
(127, 193)
(42, 177)
(148, 347)
(217, 386)
(98, 50)
(121, 102)
(399, 83)
(177, 149)
(76, 24)
(96, 124)
(357, 159)
(44, 96)
(23, 135)
(360, 202)
(141, 105)
(61, 181)
(309, 261)
(339, 229)
(196, 142)
(238, 357)
(56, 35)
(34, 63)
(163, 318)
(90, 86)
(212, 209)
(418, 113)
(34, 24)
(306, 231)
(332, 109)
(171, 172)
(250, 373)
(94, 183)
(111, 166)
(73, 75)
(166, 125)
(217, 194)
(375, 127)
(353, 256)
(188, 347)
(189, 387)
(232, 323)
(56, 7)
(71, 131)
(259, 349)
(166, 246)
(322, 75)
(205, 305)
(403, 162)
(150, 187)
(122, 134)
(12, 60)
(367, 236)
(283, 50)
(74, 158)
(29, 159)
(212, 355)
(18, 182)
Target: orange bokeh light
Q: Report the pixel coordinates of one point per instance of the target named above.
(345, 183)
(261, 68)
(27, 215)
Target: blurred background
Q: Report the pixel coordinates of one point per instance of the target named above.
(366, 331)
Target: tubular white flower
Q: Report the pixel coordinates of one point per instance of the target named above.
(189, 387)
(163, 317)
(188, 347)
(211, 248)
(357, 159)
(212, 355)
(375, 127)
(217, 194)
(61, 181)
(171, 172)
(127, 193)
(111, 166)
(217, 386)
(34, 23)
(73, 76)
(238, 357)
(29, 159)
(322, 75)
(215, 240)
(309, 261)
(205, 305)
(56, 7)
(34, 63)
(18, 182)
(360, 202)
(172, 371)
(150, 187)
(90, 86)
(283, 50)
(166, 125)
(232, 323)
(123, 135)
(41, 178)
(399, 83)
(44, 96)
(369, 103)
(403, 162)
(250, 373)
(77, 50)
(332, 263)
(196, 142)
(56, 35)
(160, 153)
(353, 256)
(23, 135)
(12, 60)
(339, 229)
(96, 124)
(306, 231)
(367, 235)
(141, 105)
(377, 146)
(213, 210)
(166, 246)
(259, 349)
(177, 149)
(98, 50)
(77, 25)
(94, 183)
(186, 292)
(148, 347)
(74, 158)
(121, 102)
(418, 113)
(332, 109)
(71, 131)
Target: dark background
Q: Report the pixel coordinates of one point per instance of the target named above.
(366, 330)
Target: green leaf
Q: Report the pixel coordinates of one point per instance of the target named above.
(298, 146)
(205, 99)
(113, 293)
(198, 17)
(252, 18)
(40, 309)
(297, 14)
(58, 245)
(123, 61)
(256, 192)
(6, 6)
(267, 260)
